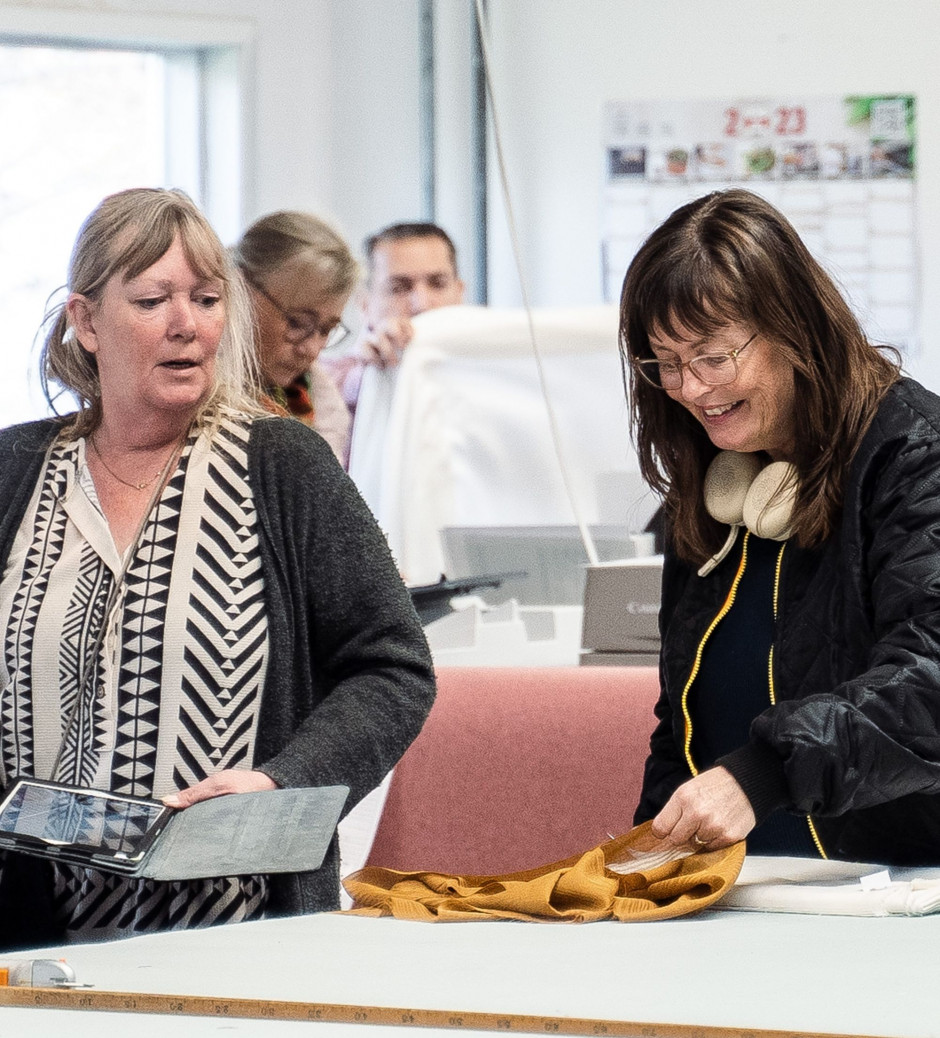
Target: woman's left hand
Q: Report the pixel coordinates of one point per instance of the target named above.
(709, 810)
(232, 780)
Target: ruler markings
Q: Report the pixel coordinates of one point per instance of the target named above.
(329, 1012)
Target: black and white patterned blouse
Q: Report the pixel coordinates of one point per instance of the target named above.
(172, 695)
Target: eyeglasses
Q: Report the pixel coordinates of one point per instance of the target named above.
(300, 327)
(714, 369)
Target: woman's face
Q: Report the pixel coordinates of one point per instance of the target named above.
(155, 338)
(755, 412)
(293, 320)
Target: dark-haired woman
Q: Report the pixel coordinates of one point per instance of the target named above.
(800, 474)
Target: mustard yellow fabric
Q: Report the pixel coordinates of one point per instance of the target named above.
(580, 889)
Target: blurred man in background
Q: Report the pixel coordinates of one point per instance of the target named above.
(411, 267)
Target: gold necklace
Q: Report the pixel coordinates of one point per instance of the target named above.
(134, 486)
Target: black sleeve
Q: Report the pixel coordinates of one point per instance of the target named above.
(875, 737)
(666, 768)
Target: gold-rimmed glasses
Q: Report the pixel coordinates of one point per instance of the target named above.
(714, 369)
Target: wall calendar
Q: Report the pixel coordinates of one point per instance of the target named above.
(841, 168)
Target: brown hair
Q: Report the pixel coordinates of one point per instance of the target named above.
(125, 235)
(407, 231)
(728, 257)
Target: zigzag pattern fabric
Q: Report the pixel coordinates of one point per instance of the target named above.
(226, 630)
(41, 551)
(174, 692)
(140, 672)
(87, 737)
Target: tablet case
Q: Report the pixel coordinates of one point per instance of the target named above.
(279, 830)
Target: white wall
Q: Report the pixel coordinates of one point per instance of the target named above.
(336, 129)
(557, 61)
(374, 102)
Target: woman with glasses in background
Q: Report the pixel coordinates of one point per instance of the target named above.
(800, 477)
(300, 274)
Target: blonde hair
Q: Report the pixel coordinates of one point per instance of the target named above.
(125, 235)
(278, 237)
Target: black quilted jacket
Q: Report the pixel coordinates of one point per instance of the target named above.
(854, 737)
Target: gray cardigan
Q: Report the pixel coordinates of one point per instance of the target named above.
(349, 676)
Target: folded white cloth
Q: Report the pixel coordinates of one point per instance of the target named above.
(812, 887)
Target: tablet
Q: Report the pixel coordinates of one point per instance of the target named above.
(82, 826)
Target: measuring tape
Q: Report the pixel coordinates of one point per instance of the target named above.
(36, 973)
(325, 1012)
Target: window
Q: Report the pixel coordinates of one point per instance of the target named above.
(82, 122)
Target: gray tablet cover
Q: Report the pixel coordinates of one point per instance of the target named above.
(281, 830)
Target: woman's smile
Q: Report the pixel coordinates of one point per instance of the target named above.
(755, 412)
(719, 410)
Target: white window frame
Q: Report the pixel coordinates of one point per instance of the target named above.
(209, 159)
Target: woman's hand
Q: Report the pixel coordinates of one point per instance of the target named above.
(709, 810)
(232, 780)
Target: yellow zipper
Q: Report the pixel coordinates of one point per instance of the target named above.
(770, 661)
(773, 692)
(729, 602)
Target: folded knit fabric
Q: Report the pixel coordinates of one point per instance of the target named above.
(631, 878)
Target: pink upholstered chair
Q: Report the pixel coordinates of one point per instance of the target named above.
(518, 767)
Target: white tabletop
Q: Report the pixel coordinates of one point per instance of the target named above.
(841, 975)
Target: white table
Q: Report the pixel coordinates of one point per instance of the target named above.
(729, 969)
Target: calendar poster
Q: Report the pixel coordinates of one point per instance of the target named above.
(842, 169)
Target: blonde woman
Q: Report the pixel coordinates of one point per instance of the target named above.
(183, 616)
(300, 274)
